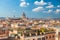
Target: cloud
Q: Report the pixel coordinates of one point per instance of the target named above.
(49, 11)
(58, 6)
(38, 9)
(50, 6)
(24, 4)
(49, 3)
(57, 11)
(52, 11)
(40, 3)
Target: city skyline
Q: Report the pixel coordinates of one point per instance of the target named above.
(32, 8)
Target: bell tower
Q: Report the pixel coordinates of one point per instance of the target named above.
(23, 16)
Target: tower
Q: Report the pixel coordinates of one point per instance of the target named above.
(23, 15)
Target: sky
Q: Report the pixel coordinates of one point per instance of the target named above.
(32, 8)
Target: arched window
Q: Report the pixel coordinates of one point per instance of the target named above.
(46, 37)
(49, 36)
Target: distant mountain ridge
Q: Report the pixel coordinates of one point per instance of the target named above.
(3, 18)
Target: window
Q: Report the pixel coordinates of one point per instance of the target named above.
(49, 36)
(39, 39)
(27, 35)
(53, 36)
(33, 34)
(59, 33)
(42, 33)
(43, 38)
(46, 37)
